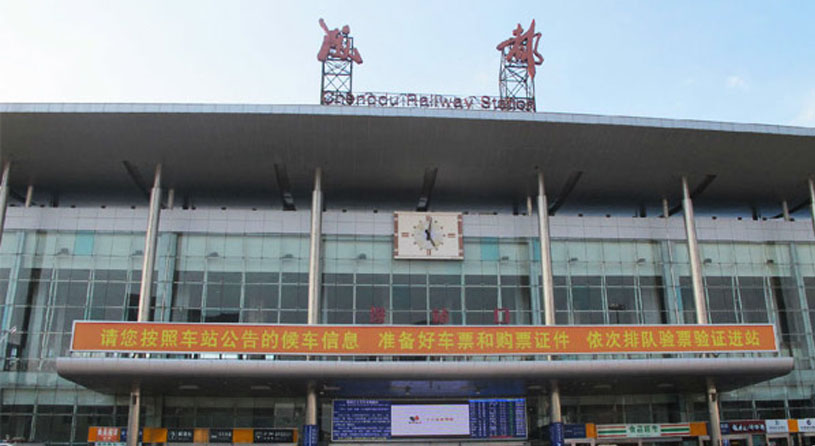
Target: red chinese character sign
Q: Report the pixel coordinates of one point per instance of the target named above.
(337, 45)
(519, 56)
(338, 56)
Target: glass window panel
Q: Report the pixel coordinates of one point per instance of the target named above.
(294, 277)
(261, 296)
(339, 297)
(294, 297)
(484, 299)
(262, 277)
(75, 293)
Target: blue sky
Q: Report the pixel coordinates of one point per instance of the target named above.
(742, 61)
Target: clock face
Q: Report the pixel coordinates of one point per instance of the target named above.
(423, 235)
(428, 234)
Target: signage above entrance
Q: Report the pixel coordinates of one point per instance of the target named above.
(743, 427)
(643, 430)
(418, 340)
(117, 435)
(422, 100)
(476, 419)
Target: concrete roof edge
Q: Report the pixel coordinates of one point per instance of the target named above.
(313, 109)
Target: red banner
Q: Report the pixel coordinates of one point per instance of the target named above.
(418, 340)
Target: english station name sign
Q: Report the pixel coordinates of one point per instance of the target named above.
(419, 100)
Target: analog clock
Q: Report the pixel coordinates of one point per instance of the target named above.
(427, 235)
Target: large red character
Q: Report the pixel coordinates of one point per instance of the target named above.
(336, 44)
(377, 315)
(523, 47)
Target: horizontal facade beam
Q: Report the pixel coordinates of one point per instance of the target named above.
(109, 374)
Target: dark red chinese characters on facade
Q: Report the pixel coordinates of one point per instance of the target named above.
(440, 316)
(377, 315)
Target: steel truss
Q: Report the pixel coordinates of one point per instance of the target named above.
(514, 81)
(337, 74)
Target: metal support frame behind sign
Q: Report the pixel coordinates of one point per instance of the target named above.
(337, 78)
(514, 81)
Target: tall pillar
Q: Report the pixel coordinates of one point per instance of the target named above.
(144, 297)
(548, 285)
(314, 282)
(171, 198)
(4, 197)
(314, 249)
(150, 248)
(133, 416)
(29, 196)
(701, 307)
(811, 200)
(311, 403)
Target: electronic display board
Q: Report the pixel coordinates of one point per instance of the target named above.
(476, 419)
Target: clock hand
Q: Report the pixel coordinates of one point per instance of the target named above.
(428, 237)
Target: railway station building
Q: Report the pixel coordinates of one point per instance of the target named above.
(355, 218)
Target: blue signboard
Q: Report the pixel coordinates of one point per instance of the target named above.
(370, 420)
(556, 434)
(498, 418)
(123, 434)
(311, 434)
(361, 420)
(574, 431)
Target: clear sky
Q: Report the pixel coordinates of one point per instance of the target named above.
(742, 61)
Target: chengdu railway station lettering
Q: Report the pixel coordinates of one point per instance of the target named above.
(418, 100)
(141, 337)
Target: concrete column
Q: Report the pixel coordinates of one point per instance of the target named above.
(701, 307)
(150, 248)
(144, 297)
(4, 197)
(29, 196)
(811, 201)
(315, 248)
(311, 403)
(548, 284)
(712, 398)
(693, 254)
(133, 416)
(314, 280)
(171, 198)
(785, 210)
(666, 211)
(3, 203)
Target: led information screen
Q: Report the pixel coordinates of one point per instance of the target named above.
(430, 420)
(478, 419)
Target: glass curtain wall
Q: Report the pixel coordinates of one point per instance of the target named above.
(48, 279)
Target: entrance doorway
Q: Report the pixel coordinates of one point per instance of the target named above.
(778, 440)
(582, 442)
(643, 442)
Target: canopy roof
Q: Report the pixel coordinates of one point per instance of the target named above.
(369, 153)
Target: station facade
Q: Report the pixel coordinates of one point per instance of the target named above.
(288, 216)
